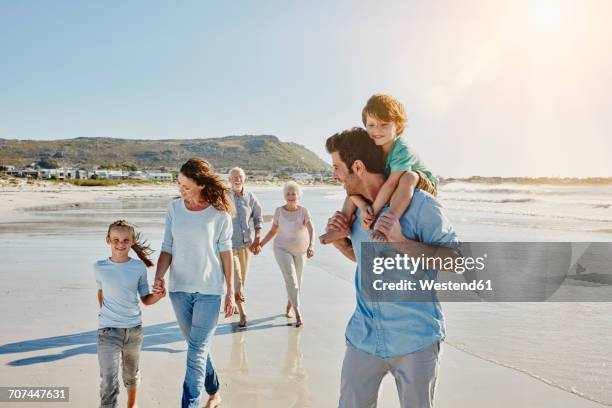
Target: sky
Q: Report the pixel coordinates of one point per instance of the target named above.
(491, 88)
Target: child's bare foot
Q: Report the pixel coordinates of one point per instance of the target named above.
(243, 321)
(288, 310)
(331, 236)
(378, 236)
(213, 401)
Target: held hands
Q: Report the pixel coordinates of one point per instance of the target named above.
(159, 288)
(255, 247)
(389, 225)
(229, 306)
(339, 222)
(367, 217)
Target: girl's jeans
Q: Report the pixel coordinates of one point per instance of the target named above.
(118, 347)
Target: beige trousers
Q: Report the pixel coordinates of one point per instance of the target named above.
(241, 266)
(291, 266)
(415, 377)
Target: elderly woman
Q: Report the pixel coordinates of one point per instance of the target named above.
(197, 247)
(294, 241)
(248, 211)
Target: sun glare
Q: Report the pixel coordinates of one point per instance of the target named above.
(547, 14)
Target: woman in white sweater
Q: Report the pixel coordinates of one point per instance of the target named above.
(197, 248)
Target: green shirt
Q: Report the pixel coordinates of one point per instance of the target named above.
(403, 158)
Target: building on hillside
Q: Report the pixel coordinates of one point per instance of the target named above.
(75, 174)
(99, 174)
(61, 174)
(139, 175)
(109, 174)
(49, 174)
(159, 176)
(28, 173)
(302, 177)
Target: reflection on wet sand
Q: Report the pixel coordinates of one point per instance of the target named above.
(254, 378)
(293, 370)
(238, 357)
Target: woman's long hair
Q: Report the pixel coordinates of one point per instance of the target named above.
(140, 246)
(215, 192)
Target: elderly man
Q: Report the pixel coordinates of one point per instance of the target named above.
(402, 338)
(248, 211)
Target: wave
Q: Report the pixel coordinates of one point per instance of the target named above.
(488, 190)
(573, 204)
(532, 214)
(493, 200)
(510, 191)
(516, 191)
(571, 390)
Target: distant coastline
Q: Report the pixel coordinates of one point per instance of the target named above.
(529, 180)
(7, 181)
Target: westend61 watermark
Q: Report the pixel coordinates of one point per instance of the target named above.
(412, 264)
(487, 271)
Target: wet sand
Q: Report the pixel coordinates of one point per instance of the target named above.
(48, 305)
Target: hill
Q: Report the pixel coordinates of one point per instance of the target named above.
(250, 152)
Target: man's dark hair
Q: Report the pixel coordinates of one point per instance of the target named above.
(355, 144)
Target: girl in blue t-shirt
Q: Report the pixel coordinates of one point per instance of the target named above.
(120, 281)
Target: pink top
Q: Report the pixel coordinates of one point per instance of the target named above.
(292, 235)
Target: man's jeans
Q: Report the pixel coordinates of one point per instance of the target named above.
(118, 347)
(197, 316)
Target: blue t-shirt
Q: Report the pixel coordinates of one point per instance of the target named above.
(390, 329)
(121, 284)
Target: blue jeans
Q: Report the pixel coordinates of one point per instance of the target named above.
(197, 316)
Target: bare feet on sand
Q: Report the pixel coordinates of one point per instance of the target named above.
(242, 313)
(213, 401)
(289, 310)
(299, 322)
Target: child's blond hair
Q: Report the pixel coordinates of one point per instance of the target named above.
(387, 108)
(140, 246)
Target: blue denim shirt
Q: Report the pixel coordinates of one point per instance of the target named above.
(390, 329)
(247, 209)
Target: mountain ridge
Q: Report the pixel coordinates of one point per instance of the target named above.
(251, 152)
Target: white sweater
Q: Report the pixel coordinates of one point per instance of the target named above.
(195, 239)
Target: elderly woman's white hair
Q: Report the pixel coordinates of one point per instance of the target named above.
(237, 170)
(292, 185)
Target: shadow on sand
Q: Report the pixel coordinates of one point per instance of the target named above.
(155, 339)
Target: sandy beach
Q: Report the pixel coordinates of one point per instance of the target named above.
(49, 312)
